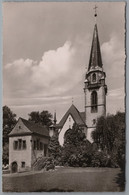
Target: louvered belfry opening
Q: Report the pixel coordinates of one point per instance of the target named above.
(94, 101)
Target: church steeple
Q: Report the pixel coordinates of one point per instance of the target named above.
(95, 54)
(55, 118)
(95, 88)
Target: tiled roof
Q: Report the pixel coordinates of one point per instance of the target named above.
(82, 115)
(32, 127)
(77, 116)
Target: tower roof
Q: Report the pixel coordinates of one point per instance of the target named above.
(55, 118)
(95, 55)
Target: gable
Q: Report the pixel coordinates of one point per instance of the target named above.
(20, 129)
(75, 115)
(24, 127)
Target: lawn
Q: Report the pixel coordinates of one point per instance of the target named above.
(64, 179)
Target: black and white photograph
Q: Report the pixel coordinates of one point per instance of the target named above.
(64, 97)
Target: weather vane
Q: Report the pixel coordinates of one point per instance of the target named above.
(95, 8)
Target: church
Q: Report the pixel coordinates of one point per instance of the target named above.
(95, 91)
(28, 142)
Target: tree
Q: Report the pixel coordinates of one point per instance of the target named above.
(54, 148)
(119, 143)
(9, 121)
(105, 133)
(44, 117)
(76, 149)
(109, 135)
(6, 153)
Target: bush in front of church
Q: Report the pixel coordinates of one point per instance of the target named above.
(77, 151)
(48, 164)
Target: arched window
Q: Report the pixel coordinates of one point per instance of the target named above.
(94, 77)
(94, 101)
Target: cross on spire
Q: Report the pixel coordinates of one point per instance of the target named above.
(72, 100)
(95, 8)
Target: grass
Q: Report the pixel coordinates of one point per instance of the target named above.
(64, 180)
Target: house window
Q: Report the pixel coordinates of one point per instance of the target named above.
(23, 164)
(34, 145)
(94, 121)
(94, 77)
(24, 144)
(38, 144)
(41, 146)
(19, 144)
(94, 101)
(15, 145)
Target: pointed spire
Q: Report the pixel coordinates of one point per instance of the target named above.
(95, 55)
(55, 118)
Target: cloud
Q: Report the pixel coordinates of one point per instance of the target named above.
(116, 93)
(113, 54)
(55, 74)
(59, 75)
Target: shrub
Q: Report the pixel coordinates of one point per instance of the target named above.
(99, 159)
(49, 164)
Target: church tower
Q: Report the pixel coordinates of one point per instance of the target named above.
(95, 89)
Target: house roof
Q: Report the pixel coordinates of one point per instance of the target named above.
(31, 128)
(77, 117)
(82, 115)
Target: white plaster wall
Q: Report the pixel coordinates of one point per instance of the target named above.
(89, 132)
(101, 106)
(101, 109)
(51, 132)
(20, 155)
(68, 124)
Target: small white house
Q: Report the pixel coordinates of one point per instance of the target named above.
(27, 142)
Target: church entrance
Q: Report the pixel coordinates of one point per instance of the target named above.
(14, 168)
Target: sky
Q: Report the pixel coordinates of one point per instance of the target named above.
(46, 50)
